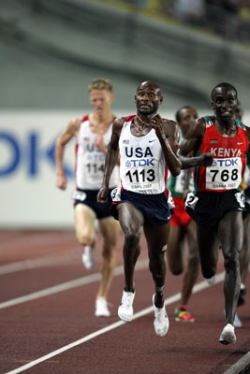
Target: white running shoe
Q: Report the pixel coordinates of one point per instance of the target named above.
(88, 257)
(228, 335)
(161, 321)
(126, 310)
(210, 280)
(237, 322)
(101, 307)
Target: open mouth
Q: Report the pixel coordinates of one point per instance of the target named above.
(226, 113)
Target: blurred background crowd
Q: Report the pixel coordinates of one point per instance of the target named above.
(50, 49)
(230, 18)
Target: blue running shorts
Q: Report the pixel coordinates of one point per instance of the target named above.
(89, 198)
(155, 208)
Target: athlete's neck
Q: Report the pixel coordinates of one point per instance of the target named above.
(100, 123)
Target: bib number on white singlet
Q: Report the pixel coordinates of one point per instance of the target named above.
(224, 174)
(93, 168)
(142, 176)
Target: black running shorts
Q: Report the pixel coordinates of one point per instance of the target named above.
(89, 198)
(208, 208)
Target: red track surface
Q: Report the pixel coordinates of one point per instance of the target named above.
(59, 324)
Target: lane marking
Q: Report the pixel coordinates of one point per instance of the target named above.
(242, 364)
(170, 300)
(66, 286)
(40, 262)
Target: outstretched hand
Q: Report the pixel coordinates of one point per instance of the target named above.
(207, 159)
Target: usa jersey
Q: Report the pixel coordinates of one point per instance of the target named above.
(142, 163)
(229, 161)
(90, 160)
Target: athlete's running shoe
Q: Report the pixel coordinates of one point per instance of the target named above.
(161, 321)
(126, 310)
(181, 314)
(228, 335)
(211, 280)
(101, 307)
(88, 257)
(237, 322)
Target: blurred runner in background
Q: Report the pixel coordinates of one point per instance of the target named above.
(182, 228)
(92, 133)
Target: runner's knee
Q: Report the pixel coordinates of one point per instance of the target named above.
(84, 238)
(109, 254)
(132, 239)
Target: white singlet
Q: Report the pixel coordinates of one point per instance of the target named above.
(142, 163)
(90, 160)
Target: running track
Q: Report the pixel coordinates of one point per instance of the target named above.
(48, 323)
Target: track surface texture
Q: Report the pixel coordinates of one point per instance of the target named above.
(48, 324)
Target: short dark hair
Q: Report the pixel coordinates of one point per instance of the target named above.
(177, 114)
(226, 85)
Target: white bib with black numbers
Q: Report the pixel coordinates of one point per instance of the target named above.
(90, 160)
(225, 173)
(142, 163)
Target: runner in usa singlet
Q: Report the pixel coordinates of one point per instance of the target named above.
(90, 160)
(142, 165)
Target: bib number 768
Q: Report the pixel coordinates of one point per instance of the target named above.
(224, 175)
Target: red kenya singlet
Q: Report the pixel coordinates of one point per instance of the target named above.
(229, 159)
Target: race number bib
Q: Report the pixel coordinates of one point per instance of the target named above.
(116, 194)
(191, 201)
(79, 195)
(240, 197)
(95, 169)
(225, 173)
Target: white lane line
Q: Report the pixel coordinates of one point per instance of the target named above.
(66, 286)
(40, 262)
(240, 365)
(15, 241)
(198, 287)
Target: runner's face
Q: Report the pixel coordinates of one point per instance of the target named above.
(224, 103)
(100, 101)
(148, 99)
(187, 117)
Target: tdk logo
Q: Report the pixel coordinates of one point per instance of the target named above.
(226, 162)
(140, 157)
(134, 163)
(27, 153)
